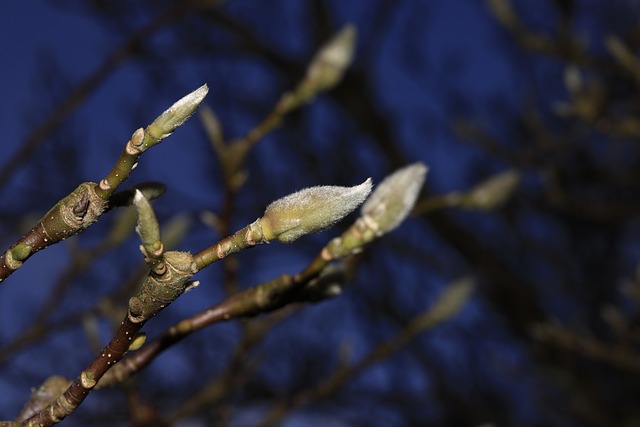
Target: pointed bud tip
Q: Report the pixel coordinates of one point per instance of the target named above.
(188, 104)
(311, 210)
(200, 93)
(394, 197)
(179, 112)
(138, 197)
(331, 61)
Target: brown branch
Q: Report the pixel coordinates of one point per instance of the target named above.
(263, 298)
(251, 302)
(619, 356)
(239, 369)
(162, 286)
(86, 381)
(173, 232)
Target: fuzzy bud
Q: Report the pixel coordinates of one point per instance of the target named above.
(394, 198)
(178, 113)
(330, 63)
(147, 227)
(311, 210)
(492, 192)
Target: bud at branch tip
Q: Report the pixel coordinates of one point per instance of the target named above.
(179, 112)
(394, 198)
(311, 210)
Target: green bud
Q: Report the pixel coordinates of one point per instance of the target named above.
(492, 192)
(138, 341)
(177, 114)
(311, 210)
(394, 198)
(21, 251)
(147, 228)
(330, 63)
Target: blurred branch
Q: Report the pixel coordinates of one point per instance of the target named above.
(448, 304)
(563, 45)
(485, 196)
(619, 357)
(239, 369)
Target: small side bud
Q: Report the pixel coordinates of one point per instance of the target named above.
(138, 341)
(311, 210)
(394, 198)
(21, 251)
(330, 63)
(178, 113)
(147, 228)
(492, 192)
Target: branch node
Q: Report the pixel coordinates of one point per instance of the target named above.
(81, 207)
(137, 138)
(104, 185)
(87, 380)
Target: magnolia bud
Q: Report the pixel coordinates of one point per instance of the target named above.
(311, 210)
(330, 63)
(492, 192)
(394, 198)
(147, 227)
(177, 114)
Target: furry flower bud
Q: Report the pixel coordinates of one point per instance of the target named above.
(178, 113)
(492, 192)
(311, 210)
(330, 63)
(394, 198)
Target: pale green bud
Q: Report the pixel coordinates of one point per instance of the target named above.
(311, 210)
(330, 63)
(178, 113)
(492, 192)
(394, 198)
(147, 227)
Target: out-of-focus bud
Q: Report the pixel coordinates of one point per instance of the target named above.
(42, 396)
(177, 114)
(622, 54)
(573, 79)
(504, 13)
(394, 198)
(492, 192)
(138, 341)
(311, 210)
(330, 63)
